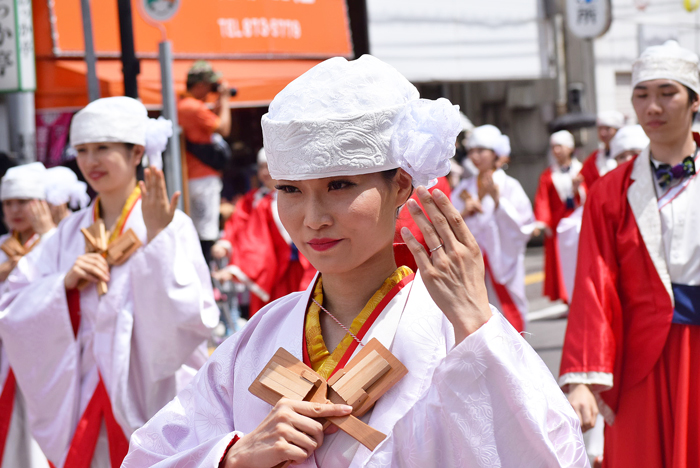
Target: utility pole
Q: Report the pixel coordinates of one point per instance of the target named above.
(90, 59)
(357, 12)
(130, 64)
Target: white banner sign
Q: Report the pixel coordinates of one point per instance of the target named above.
(588, 18)
(17, 66)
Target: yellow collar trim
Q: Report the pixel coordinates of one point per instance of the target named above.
(322, 361)
(126, 210)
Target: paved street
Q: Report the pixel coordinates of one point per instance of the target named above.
(547, 319)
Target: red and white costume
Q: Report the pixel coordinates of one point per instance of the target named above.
(555, 199)
(633, 331)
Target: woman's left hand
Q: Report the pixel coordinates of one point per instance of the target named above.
(454, 272)
(157, 210)
(40, 217)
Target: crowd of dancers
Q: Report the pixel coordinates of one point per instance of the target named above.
(106, 312)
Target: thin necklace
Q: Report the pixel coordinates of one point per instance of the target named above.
(338, 322)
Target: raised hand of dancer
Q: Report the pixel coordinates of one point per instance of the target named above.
(158, 210)
(454, 272)
(40, 217)
(582, 399)
(289, 432)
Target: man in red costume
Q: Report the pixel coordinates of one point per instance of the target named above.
(263, 256)
(632, 347)
(600, 161)
(559, 193)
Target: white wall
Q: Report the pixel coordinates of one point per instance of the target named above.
(631, 32)
(461, 40)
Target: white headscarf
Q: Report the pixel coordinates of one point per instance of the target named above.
(668, 61)
(26, 182)
(121, 120)
(628, 138)
(489, 137)
(358, 117)
(610, 118)
(63, 186)
(563, 138)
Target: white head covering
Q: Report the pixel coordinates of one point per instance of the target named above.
(357, 117)
(489, 137)
(262, 157)
(121, 120)
(631, 137)
(63, 186)
(24, 182)
(562, 137)
(610, 118)
(669, 61)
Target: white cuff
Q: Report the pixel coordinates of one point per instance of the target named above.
(601, 381)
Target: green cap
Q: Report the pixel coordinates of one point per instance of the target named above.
(202, 71)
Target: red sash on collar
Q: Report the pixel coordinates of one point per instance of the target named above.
(364, 329)
(7, 403)
(509, 309)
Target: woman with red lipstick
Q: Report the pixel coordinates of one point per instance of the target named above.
(346, 142)
(27, 216)
(93, 368)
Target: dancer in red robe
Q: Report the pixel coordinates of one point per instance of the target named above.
(558, 195)
(263, 256)
(632, 346)
(600, 161)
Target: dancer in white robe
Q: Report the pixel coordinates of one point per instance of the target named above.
(93, 369)
(476, 394)
(27, 216)
(499, 215)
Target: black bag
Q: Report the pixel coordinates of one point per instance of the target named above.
(216, 154)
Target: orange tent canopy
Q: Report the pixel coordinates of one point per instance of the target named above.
(62, 83)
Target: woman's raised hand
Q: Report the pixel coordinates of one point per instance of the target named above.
(453, 272)
(40, 217)
(289, 432)
(158, 210)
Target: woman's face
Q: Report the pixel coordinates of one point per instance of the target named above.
(484, 159)
(341, 223)
(562, 154)
(108, 167)
(17, 214)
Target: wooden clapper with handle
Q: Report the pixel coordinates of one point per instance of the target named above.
(368, 376)
(116, 252)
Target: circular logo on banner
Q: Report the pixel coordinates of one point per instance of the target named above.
(161, 10)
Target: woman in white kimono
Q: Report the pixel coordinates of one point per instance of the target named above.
(27, 216)
(499, 215)
(95, 368)
(344, 143)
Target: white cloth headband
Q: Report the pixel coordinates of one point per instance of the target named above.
(358, 117)
(121, 120)
(563, 138)
(628, 138)
(668, 61)
(26, 182)
(489, 137)
(63, 186)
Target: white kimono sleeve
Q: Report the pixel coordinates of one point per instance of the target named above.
(492, 403)
(174, 307)
(38, 338)
(196, 427)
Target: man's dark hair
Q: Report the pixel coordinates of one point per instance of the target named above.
(692, 97)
